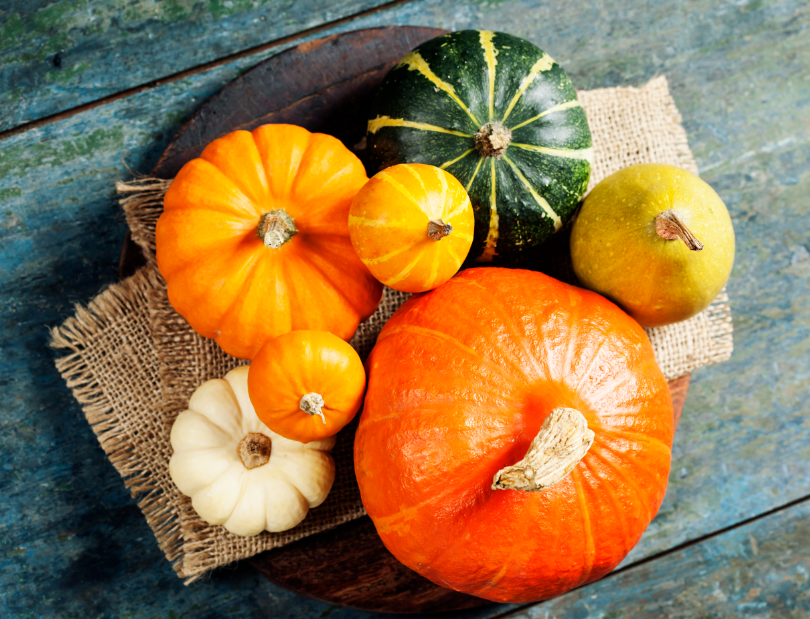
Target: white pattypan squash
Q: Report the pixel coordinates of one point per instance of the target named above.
(237, 471)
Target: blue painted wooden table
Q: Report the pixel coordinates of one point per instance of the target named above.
(88, 89)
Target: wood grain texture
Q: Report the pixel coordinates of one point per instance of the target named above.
(349, 566)
(324, 85)
(761, 569)
(679, 388)
(73, 542)
(57, 55)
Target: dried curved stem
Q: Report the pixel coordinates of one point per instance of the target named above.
(562, 442)
(670, 227)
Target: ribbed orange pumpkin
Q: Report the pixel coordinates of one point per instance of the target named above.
(461, 381)
(412, 226)
(254, 242)
(306, 385)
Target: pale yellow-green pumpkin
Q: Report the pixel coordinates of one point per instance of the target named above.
(656, 240)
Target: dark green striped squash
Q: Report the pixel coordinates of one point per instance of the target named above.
(500, 115)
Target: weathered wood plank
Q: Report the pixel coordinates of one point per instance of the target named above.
(57, 55)
(73, 542)
(761, 569)
(331, 95)
(350, 566)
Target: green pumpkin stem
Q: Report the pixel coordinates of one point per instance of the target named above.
(276, 228)
(492, 139)
(437, 229)
(670, 227)
(563, 441)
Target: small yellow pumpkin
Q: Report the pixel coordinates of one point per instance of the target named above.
(412, 226)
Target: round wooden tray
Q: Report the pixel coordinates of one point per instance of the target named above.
(326, 86)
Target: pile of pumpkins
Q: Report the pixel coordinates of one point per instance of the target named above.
(516, 432)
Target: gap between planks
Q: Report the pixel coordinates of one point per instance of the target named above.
(201, 68)
(673, 550)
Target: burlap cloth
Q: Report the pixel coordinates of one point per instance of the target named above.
(133, 362)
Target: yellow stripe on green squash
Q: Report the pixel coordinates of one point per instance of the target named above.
(502, 117)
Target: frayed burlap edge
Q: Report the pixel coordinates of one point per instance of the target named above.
(119, 315)
(145, 197)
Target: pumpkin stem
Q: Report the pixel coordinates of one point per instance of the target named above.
(254, 450)
(670, 227)
(276, 228)
(311, 403)
(492, 139)
(562, 442)
(437, 229)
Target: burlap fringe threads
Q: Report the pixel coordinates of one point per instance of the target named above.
(109, 360)
(145, 196)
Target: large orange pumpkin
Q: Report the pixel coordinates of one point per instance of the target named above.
(254, 240)
(467, 380)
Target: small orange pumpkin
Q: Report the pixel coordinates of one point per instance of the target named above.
(516, 435)
(253, 241)
(306, 385)
(412, 226)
